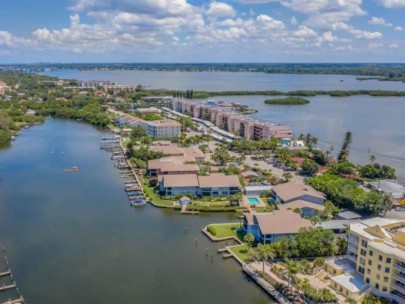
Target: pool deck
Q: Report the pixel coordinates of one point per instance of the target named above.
(246, 203)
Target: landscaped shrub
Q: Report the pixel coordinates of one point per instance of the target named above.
(212, 230)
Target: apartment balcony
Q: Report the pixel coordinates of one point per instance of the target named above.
(352, 248)
(352, 258)
(398, 297)
(398, 277)
(354, 241)
(399, 288)
(399, 267)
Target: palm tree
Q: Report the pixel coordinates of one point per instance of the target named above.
(344, 152)
(292, 270)
(372, 158)
(265, 251)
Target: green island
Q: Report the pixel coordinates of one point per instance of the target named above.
(287, 101)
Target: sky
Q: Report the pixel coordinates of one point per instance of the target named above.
(202, 31)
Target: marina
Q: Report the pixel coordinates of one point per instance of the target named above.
(9, 292)
(132, 185)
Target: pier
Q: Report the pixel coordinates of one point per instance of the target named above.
(9, 293)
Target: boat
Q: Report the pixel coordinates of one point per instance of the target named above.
(73, 169)
(138, 202)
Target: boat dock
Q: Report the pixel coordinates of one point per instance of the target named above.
(9, 292)
(132, 186)
(185, 211)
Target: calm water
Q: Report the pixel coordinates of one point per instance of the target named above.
(377, 124)
(222, 81)
(73, 238)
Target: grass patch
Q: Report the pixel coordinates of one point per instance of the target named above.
(224, 230)
(241, 252)
(150, 194)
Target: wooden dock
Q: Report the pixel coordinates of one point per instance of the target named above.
(8, 284)
(190, 212)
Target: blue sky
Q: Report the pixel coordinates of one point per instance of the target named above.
(202, 31)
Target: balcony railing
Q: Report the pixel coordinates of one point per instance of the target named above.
(399, 288)
(399, 277)
(352, 248)
(399, 267)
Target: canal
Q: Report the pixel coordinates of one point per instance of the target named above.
(73, 238)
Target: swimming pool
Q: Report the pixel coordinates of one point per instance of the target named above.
(253, 201)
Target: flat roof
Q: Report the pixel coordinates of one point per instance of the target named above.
(351, 281)
(258, 188)
(168, 150)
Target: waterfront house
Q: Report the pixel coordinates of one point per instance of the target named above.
(213, 185)
(268, 227)
(291, 191)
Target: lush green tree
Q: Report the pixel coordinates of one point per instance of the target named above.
(320, 157)
(309, 168)
(249, 239)
(138, 133)
(203, 148)
(221, 156)
(372, 158)
(377, 171)
(287, 176)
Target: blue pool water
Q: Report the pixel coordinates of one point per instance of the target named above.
(253, 201)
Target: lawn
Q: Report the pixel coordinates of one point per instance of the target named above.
(223, 230)
(154, 198)
(241, 252)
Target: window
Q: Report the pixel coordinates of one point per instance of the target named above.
(377, 286)
(378, 277)
(370, 253)
(367, 280)
(385, 279)
(388, 260)
(370, 262)
(387, 270)
(364, 243)
(368, 271)
(380, 258)
(385, 288)
(379, 267)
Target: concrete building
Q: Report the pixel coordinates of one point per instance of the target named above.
(268, 227)
(157, 128)
(94, 83)
(376, 251)
(151, 110)
(172, 165)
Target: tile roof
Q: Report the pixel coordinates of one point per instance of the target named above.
(281, 222)
(293, 190)
(219, 180)
(180, 180)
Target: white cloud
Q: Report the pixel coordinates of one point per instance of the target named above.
(327, 37)
(293, 20)
(220, 9)
(322, 13)
(339, 26)
(304, 31)
(393, 46)
(393, 3)
(379, 21)
(399, 28)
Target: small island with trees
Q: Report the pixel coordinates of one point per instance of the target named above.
(287, 101)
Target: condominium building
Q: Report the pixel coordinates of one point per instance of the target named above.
(157, 128)
(231, 121)
(377, 249)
